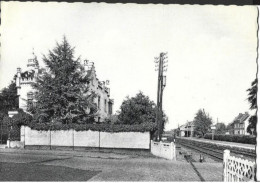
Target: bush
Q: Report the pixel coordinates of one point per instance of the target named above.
(15, 133)
(246, 139)
(21, 118)
(144, 127)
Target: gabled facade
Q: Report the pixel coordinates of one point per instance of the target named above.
(103, 101)
(25, 91)
(187, 130)
(240, 124)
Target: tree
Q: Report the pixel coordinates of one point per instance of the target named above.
(230, 128)
(220, 128)
(61, 92)
(138, 109)
(202, 122)
(252, 99)
(9, 98)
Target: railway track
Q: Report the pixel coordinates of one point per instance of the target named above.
(217, 153)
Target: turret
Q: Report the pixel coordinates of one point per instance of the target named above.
(33, 64)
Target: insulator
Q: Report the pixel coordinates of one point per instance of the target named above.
(156, 61)
(165, 66)
(156, 58)
(165, 70)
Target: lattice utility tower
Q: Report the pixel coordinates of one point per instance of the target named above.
(160, 67)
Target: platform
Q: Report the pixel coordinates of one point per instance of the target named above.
(232, 144)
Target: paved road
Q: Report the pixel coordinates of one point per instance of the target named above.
(33, 165)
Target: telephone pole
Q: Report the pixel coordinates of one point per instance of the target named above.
(161, 67)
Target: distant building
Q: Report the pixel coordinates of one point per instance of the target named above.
(25, 91)
(240, 124)
(187, 130)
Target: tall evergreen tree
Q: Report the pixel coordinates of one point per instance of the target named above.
(202, 122)
(61, 92)
(252, 99)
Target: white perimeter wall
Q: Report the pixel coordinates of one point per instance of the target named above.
(132, 140)
(164, 150)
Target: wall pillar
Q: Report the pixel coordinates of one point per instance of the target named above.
(225, 158)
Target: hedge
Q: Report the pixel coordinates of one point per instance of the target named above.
(95, 127)
(246, 139)
(26, 119)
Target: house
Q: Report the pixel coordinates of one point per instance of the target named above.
(240, 124)
(25, 91)
(187, 130)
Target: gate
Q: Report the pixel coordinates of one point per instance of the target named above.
(238, 169)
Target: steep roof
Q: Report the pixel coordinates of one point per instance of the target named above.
(241, 118)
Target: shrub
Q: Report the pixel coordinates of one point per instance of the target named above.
(246, 139)
(21, 118)
(104, 127)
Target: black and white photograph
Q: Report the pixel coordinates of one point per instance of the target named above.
(128, 92)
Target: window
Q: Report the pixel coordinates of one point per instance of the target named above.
(98, 102)
(110, 108)
(105, 105)
(29, 101)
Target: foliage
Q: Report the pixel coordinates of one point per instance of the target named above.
(22, 118)
(246, 139)
(13, 124)
(252, 95)
(8, 99)
(62, 95)
(138, 110)
(15, 133)
(113, 119)
(7, 121)
(104, 127)
(252, 99)
(2, 115)
(202, 122)
(220, 128)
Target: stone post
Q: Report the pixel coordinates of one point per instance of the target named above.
(22, 132)
(225, 158)
(172, 150)
(8, 143)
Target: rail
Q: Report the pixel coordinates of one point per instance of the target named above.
(214, 152)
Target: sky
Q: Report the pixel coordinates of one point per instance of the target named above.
(211, 50)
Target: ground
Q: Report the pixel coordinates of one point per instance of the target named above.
(104, 165)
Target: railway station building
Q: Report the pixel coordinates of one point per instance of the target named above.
(187, 130)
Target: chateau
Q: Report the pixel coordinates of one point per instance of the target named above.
(25, 91)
